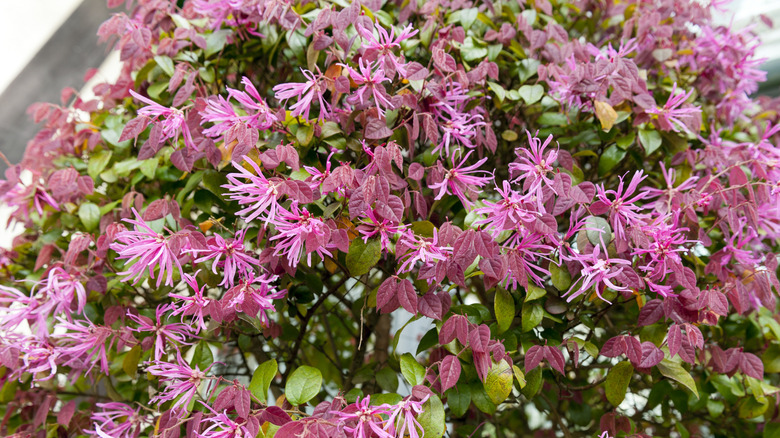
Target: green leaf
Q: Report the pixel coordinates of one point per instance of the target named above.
(715, 408)
(202, 357)
(531, 93)
(771, 359)
(413, 372)
(676, 372)
(561, 278)
(472, 50)
(625, 141)
(533, 383)
(363, 256)
(751, 407)
(89, 214)
(98, 162)
(213, 182)
(165, 63)
(481, 399)
(387, 379)
(504, 307)
(303, 385)
(650, 140)
(610, 158)
(519, 376)
(498, 90)
(527, 68)
(428, 340)
(617, 382)
(8, 392)
(509, 135)
(533, 292)
(598, 230)
(262, 377)
(498, 383)
(532, 315)
(771, 430)
(149, 167)
(423, 228)
(124, 167)
(130, 362)
(553, 119)
(432, 417)
(458, 400)
(215, 41)
(468, 17)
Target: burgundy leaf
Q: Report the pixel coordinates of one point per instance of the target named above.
(377, 129)
(158, 209)
(674, 339)
(66, 413)
(407, 296)
(447, 332)
(533, 357)
(449, 370)
(651, 312)
(275, 415)
(751, 365)
(614, 347)
(243, 403)
(651, 355)
(134, 127)
(430, 306)
(479, 338)
(633, 349)
(555, 358)
(385, 296)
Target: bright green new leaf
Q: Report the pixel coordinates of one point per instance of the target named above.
(89, 214)
(303, 385)
(650, 140)
(262, 378)
(413, 372)
(533, 292)
(531, 93)
(676, 372)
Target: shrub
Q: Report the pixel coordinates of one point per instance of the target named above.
(577, 201)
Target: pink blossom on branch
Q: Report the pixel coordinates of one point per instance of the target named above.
(597, 272)
(460, 180)
(370, 84)
(180, 379)
(146, 249)
(306, 93)
(229, 255)
(165, 335)
(675, 114)
(299, 234)
(196, 305)
(258, 194)
(173, 121)
(118, 420)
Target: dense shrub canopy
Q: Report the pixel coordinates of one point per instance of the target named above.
(578, 202)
